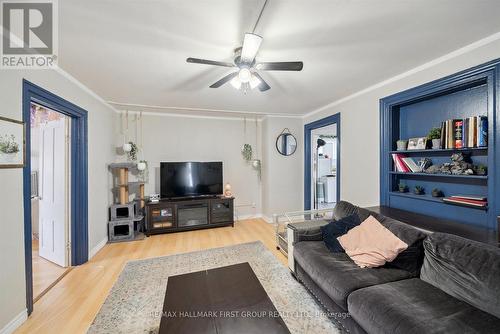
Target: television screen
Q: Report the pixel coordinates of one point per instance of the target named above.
(188, 179)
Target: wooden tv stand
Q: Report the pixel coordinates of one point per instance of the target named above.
(177, 215)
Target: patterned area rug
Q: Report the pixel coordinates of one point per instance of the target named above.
(135, 302)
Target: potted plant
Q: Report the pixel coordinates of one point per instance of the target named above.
(142, 165)
(9, 148)
(419, 190)
(246, 151)
(403, 188)
(132, 154)
(481, 170)
(435, 136)
(402, 145)
(437, 193)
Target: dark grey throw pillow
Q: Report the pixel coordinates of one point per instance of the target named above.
(337, 228)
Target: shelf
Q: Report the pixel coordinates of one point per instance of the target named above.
(131, 184)
(443, 150)
(434, 199)
(472, 177)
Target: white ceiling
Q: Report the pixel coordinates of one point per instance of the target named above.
(134, 52)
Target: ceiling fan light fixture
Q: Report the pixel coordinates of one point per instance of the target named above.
(254, 82)
(236, 82)
(245, 75)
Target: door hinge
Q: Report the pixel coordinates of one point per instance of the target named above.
(68, 245)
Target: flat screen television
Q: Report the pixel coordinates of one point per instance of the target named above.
(190, 179)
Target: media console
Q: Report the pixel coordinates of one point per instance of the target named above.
(188, 214)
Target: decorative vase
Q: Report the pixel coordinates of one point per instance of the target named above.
(402, 145)
(436, 144)
(141, 165)
(127, 147)
(227, 190)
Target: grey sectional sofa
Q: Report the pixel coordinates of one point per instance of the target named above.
(453, 285)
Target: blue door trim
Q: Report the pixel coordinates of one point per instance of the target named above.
(79, 177)
(333, 119)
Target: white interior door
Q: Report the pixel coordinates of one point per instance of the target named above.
(53, 236)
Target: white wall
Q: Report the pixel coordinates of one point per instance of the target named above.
(360, 125)
(282, 176)
(176, 138)
(101, 151)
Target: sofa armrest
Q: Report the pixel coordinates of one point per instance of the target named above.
(302, 231)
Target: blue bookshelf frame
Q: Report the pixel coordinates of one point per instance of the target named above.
(415, 111)
(79, 178)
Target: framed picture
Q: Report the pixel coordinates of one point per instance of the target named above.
(12, 143)
(419, 143)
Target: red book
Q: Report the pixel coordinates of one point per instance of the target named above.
(466, 201)
(458, 126)
(402, 164)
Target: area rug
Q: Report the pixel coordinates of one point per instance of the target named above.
(135, 302)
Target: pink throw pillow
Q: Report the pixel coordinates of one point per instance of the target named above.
(370, 244)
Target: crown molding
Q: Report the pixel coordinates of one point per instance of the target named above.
(166, 111)
(468, 48)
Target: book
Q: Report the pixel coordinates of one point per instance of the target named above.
(450, 138)
(472, 197)
(458, 126)
(410, 163)
(482, 131)
(465, 133)
(443, 134)
(399, 164)
(469, 202)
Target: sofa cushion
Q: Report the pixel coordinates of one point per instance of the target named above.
(465, 269)
(414, 306)
(410, 259)
(336, 274)
(371, 245)
(336, 229)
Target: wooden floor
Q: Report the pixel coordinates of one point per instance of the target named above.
(71, 305)
(45, 273)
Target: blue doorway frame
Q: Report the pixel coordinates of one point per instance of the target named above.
(79, 178)
(333, 119)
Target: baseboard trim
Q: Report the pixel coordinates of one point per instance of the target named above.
(245, 217)
(98, 247)
(268, 220)
(15, 323)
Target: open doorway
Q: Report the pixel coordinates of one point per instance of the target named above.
(50, 191)
(75, 180)
(322, 163)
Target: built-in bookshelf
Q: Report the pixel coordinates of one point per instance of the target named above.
(412, 114)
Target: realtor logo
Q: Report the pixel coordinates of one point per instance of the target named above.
(29, 34)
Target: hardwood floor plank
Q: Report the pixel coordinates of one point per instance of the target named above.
(71, 305)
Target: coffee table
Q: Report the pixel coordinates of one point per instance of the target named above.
(222, 300)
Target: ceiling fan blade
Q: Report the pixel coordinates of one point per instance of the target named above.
(209, 62)
(263, 86)
(222, 81)
(251, 45)
(280, 66)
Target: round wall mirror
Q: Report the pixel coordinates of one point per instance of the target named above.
(286, 144)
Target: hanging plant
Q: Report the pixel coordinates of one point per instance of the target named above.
(246, 151)
(132, 154)
(257, 165)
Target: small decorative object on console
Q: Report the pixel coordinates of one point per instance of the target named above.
(154, 198)
(227, 190)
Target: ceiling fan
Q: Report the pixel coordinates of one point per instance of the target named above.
(246, 75)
